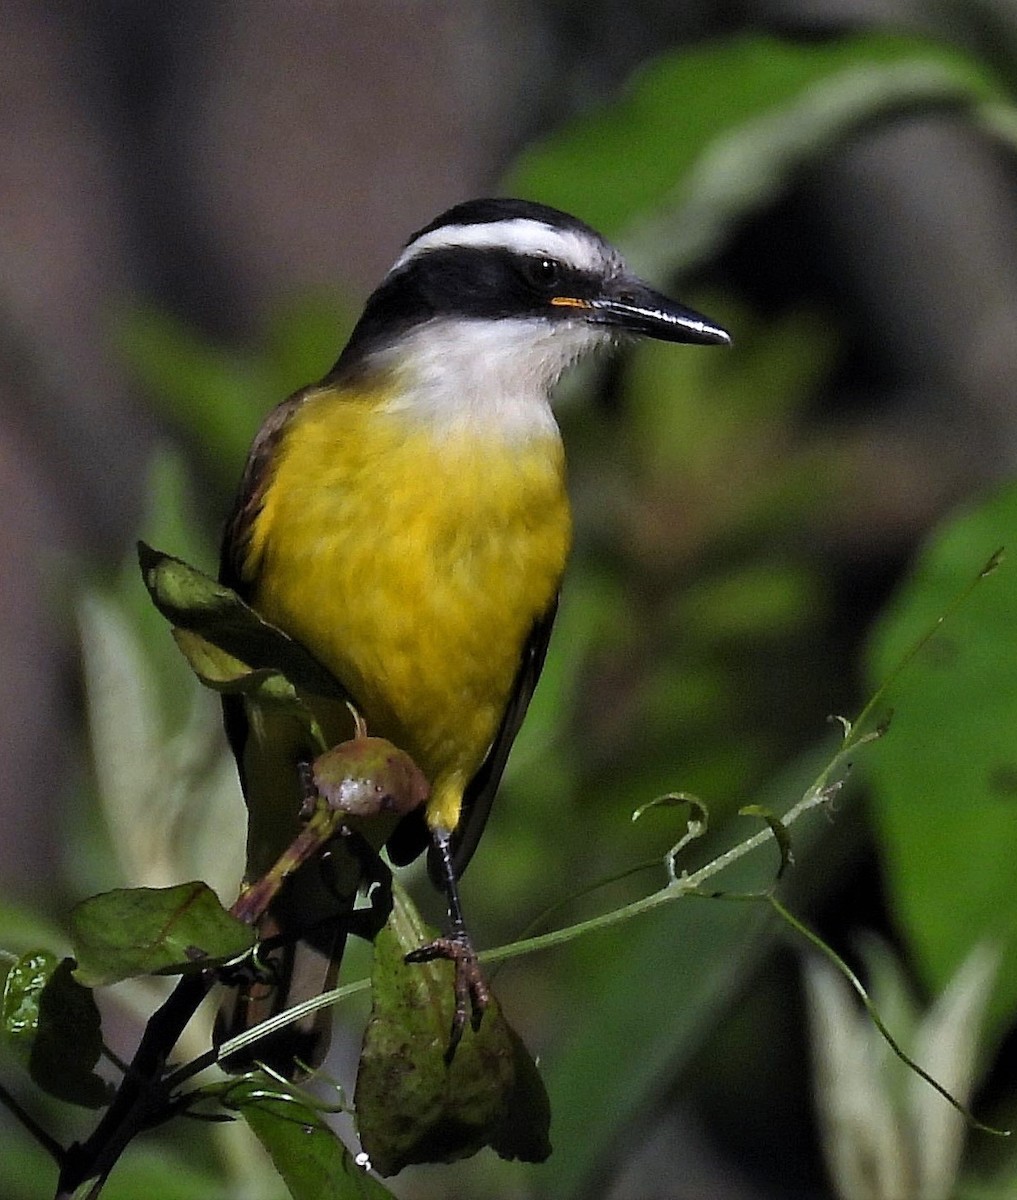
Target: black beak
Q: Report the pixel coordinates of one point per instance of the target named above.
(632, 305)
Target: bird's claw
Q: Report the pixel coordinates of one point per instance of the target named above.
(469, 987)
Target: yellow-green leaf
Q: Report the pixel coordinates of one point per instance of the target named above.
(194, 602)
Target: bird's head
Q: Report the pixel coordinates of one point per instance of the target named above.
(492, 300)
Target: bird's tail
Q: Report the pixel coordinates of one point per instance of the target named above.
(303, 934)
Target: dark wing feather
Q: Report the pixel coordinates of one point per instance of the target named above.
(480, 793)
(253, 483)
(251, 492)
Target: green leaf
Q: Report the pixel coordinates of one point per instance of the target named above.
(196, 603)
(52, 1023)
(944, 779)
(153, 931)
(223, 673)
(413, 1106)
(710, 134)
(308, 1155)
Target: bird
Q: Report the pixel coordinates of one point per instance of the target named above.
(406, 520)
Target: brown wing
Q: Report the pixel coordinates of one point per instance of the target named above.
(251, 492)
(412, 837)
(253, 483)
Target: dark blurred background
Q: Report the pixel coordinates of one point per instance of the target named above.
(209, 160)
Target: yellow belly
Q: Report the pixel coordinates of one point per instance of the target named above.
(413, 563)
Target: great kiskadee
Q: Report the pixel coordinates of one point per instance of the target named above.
(406, 520)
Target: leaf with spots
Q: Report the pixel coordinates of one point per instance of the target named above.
(412, 1105)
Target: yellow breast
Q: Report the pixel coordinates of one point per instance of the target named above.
(413, 561)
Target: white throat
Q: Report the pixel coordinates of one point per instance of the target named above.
(494, 374)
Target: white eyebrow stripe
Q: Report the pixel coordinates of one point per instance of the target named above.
(520, 235)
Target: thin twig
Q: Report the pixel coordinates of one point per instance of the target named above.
(685, 885)
(817, 942)
(29, 1123)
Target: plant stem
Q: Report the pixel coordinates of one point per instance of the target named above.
(29, 1123)
(141, 1101)
(818, 794)
(684, 885)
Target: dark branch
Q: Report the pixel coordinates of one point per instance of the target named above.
(143, 1099)
(28, 1122)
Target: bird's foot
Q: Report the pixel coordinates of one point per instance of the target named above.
(470, 987)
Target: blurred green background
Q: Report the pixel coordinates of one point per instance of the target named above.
(196, 200)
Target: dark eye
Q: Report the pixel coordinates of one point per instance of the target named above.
(545, 274)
